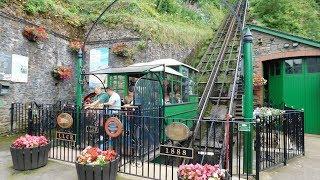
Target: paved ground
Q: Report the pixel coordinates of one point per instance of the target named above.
(55, 170)
(302, 168)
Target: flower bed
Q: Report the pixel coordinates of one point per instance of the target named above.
(201, 172)
(30, 152)
(94, 164)
(266, 111)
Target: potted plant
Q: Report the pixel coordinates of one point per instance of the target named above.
(258, 81)
(203, 172)
(35, 33)
(61, 73)
(121, 49)
(30, 152)
(95, 164)
(75, 45)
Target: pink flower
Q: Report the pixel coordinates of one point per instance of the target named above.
(29, 141)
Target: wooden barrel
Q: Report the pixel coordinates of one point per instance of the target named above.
(90, 172)
(30, 158)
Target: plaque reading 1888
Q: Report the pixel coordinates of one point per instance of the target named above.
(176, 151)
(66, 136)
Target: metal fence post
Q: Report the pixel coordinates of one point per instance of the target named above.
(258, 148)
(302, 128)
(30, 121)
(285, 133)
(11, 117)
(230, 146)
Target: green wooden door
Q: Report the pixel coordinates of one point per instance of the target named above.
(275, 83)
(312, 95)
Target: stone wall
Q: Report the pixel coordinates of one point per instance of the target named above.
(267, 47)
(43, 57)
(106, 37)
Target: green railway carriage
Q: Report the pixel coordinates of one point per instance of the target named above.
(165, 84)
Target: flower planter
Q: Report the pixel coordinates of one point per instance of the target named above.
(90, 172)
(31, 37)
(30, 158)
(257, 88)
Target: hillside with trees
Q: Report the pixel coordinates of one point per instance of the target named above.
(300, 17)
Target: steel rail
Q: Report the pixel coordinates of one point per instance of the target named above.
(230, 52)
(213, 76)
(225, 149)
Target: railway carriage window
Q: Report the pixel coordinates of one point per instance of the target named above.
(293, 66)
(313, 65)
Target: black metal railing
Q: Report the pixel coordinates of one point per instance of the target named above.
(277, 139)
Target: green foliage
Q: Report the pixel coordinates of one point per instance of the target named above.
(39, 6)
(180, 22)
(167, 6)
(142, 45)
(293, 16)
(2, 2)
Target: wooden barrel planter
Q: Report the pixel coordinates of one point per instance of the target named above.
(30, 158)
(90, 172)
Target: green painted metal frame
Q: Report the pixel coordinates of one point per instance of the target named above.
(248, 98)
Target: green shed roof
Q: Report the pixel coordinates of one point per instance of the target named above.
(284, 35)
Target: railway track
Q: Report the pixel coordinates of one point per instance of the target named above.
(218, 83)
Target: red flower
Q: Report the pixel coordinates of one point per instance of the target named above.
(109, 155)
(76, 44)
(93, 153)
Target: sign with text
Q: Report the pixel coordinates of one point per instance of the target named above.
(92, 129)
(176, 151)
(244, 127)
(64, 136)
(19, 71)
(5, 66)
(99, 59)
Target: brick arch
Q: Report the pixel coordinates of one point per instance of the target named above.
(289, 54)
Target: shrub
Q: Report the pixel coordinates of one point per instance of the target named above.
(167, 6)
(38, 6)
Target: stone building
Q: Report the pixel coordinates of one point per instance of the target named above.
(291, 65)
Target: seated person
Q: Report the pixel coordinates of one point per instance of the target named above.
(178, 98)
(167, 99)
(101, 98)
